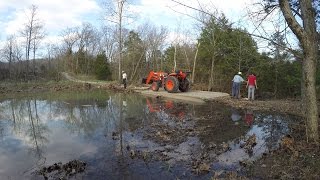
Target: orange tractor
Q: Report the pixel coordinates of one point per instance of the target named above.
(171, 82)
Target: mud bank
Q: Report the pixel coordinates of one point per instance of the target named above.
(192, 96)
(292, 107)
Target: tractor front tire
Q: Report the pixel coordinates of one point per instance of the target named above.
(155, 86)
(184, 85)
(171, 84)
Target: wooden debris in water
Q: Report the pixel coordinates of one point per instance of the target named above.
(249, 144)
(59, 170)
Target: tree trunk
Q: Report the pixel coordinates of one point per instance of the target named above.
(211, 74)
(194, 63)
(310, 99)
(120, 52)
(34, 58)
(175, 58)
(10, 58)
(212, 61)
(307, 36)
(120, 9)
(275, 90)
(187, 58)
(137, 66)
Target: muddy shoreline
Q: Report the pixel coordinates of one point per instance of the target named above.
(292, 107)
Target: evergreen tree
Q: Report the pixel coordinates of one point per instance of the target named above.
(223, 52)
(102, 69)
(134, 55)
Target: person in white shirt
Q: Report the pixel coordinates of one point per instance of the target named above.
(124, 79)
(237, 80)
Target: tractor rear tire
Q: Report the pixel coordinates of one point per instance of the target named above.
(184, 85)
(171, 84)
(155, 86)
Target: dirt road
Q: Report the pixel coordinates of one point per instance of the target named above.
(70, 78)
(193, 95)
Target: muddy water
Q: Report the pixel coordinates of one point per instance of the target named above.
(121, 136)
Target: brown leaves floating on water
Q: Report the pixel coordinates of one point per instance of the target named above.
(163, 136)
(249, 144)
(245, 163)
(204, 167)
(227, 175)
(287, 144)
(199, 167)
(144, 155)
(62, 171)
(225, 147)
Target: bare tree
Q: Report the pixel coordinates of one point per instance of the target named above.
(195, 62)
(143, 31)
(108, 42)
(155, 38)
(308, 38)
(12, 53)
(7, 52)
(50, 48)
(115, 10)
(18, 60)
(120, 17)
(87, 43)
(301, 17)
(37, 36)
(118, 12)
(69, 38)
(33, 33)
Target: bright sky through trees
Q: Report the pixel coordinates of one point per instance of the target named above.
(60, 14)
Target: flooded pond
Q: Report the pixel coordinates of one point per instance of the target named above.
(102, 135)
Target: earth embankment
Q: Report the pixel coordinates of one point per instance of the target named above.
(193, 96)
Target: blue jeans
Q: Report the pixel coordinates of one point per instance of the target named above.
(235, 89)
(124, 81)
(251, 89)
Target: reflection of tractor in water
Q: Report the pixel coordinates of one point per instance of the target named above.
(170, 82)
(168, 107)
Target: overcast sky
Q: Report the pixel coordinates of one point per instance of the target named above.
(57, 15)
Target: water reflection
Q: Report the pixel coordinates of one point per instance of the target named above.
(129, 136)
(249, 117)
(235, 116)
(267, 129)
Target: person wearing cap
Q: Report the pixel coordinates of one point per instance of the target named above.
(237, 80)
(251, 85)
(124, 79)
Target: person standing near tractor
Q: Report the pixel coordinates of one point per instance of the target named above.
(124, 79)
(251, 85)
(237, 80)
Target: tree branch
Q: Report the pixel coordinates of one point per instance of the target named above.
(292, 22)
(293, 51)
(194, 8)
